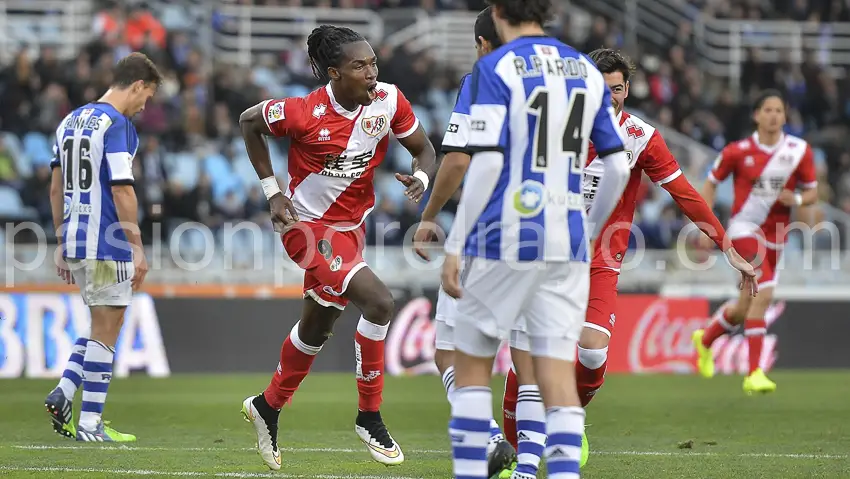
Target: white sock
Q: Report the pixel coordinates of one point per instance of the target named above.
(531, 431)
(97, 370)
(449, 382)
(72, 378)
(565, 426)
(469, 431)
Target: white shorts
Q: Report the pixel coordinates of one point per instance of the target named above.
(548, 300)
(444, 316)
(103, 283)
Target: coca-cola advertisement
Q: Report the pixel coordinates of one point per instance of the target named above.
(654, 335)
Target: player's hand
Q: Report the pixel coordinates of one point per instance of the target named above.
(426, 233)
(63, 270)
(788, 198)
(140, 264)
(748, 273)
(283, 212)
(415, 188)
(451, 276)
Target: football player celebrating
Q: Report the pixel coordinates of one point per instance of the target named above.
(339, 135)
(648, 153)
(768, 169)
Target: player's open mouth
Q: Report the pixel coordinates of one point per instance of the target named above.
(373, 91)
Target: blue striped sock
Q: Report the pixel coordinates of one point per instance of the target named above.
(73, 375)
(97, 371)
(563, 452)
(531, 431)
(469, 430)
(495, 432)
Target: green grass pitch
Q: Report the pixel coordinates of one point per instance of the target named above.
(639, 427)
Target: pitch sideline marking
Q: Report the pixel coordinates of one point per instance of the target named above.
(151, 472)
(430, 451)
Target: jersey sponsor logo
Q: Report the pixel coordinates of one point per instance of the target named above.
(320, 110)
(324, 134)
(374, 125)
(453, 128)
(343, 166)
(478, 125)
(325, 249)
(275, 112)
(529, 198)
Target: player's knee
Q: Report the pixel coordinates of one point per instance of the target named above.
(593, 339)
(592, 358)
(380, 309)
(316, 331)
(443, 359)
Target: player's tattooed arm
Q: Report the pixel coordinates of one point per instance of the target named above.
(424, 159)
(254, 130)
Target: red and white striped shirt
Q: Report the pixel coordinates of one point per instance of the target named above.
(334, 152)
(760, 174)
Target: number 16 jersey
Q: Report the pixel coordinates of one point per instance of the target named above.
(94, 145)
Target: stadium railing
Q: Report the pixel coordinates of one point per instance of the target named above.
(243, 31)
(725, 44)
(63, 24)
(448, 36)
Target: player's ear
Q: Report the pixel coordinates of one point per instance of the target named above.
(334, 74)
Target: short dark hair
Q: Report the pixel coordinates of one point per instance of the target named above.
(522, 11)
(764, 95)
(485, 28)
(324, 47)
(134, 67)
(608, 60)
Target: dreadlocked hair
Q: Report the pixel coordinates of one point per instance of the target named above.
(324, 47)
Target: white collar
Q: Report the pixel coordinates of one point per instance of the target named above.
(342, 111)
(769, 148)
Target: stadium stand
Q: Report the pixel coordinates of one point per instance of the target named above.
(700, 63)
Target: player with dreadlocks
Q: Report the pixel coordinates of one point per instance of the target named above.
(339, 135)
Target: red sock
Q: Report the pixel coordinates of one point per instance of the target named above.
(509, 408)
(589, 381)
(718, 327)
(296, 358)
(369, 353)
(754, 330)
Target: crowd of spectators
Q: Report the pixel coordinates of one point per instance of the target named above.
(192, 164)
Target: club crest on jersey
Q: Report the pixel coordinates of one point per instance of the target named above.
(324, 134)
(320, 110)
(374, 125)
(529, 198)
(336, 264)
(275, 113)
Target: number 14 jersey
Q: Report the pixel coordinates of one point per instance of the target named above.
(94, 145)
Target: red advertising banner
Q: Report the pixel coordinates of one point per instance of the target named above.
(654, 335)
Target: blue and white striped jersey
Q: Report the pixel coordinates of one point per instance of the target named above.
(457, 134)
(94, 145)
(538, 102)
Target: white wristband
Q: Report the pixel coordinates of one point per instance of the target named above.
(270, 187)
(798, 198)
(423, 177)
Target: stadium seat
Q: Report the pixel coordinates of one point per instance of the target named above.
(22, 160)
(38, 148)
(183, 168)
(12, 207)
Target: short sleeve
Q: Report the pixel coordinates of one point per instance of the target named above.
(55, 162)
(404, 121)
(119, 147)
(723, 166)
(457, 134)
(657, 161)
(284, 117)
(488, 112)
(806, 173)
(605, 134)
